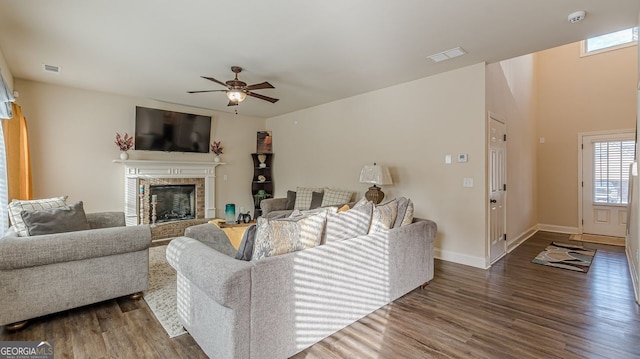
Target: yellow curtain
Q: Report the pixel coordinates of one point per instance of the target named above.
(16, 141)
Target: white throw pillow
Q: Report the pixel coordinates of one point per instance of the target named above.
(348, 224)
(16, 206)
(361, 202)
(303, 197)
(333, 197)
(384, 216)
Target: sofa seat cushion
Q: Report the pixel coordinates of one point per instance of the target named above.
(17, 206)
(18, 252)
(280, 236)
(55, 220)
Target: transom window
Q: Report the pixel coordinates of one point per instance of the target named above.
(611, 41)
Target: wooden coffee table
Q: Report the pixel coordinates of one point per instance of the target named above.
(234, 224)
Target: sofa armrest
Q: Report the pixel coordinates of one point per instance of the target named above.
(106, 219)
(225, 279)
(20, 252)
(273, 204)
(432, 227)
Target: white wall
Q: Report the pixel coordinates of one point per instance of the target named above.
(72, 132)
(6, 71)
(577, 94)
(511, 95)
(408, 127)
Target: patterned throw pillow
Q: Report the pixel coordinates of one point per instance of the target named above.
(403, 203)
(303, 197)
(408, 216)
(384, 216)
(17, 206)
(348, 224)
(280, 236)
(333, 197)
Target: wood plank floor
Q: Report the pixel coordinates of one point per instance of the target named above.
(516, 309)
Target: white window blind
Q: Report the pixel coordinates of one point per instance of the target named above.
(611, 171)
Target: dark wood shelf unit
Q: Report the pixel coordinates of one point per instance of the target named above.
(256, 185)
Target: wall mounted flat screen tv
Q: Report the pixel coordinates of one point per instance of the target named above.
(170, 131)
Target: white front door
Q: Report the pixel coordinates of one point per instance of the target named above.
(497, 189)
(605, 182)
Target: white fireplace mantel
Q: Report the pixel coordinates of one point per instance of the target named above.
(136, 169)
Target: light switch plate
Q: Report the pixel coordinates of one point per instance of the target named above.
(447, 159)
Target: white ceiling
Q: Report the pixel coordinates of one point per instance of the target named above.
(312, 51)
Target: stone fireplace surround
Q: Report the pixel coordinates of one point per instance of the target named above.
(146, 173)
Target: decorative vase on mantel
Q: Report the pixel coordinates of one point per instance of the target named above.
(124, 155)
(216, 158)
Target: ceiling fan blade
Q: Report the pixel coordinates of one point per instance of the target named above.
(264, 85)
(214, 80)
(232, 103)
(262, 97)
(205, 91)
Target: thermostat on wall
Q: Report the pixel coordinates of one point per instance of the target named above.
(462, 157)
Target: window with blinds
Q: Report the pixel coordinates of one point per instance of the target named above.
(611, 171)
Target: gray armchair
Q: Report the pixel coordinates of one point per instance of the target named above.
(44, 274)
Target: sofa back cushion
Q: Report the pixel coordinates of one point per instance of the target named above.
(291, 200)
(348, 224)
(280, 236)
(17, 206)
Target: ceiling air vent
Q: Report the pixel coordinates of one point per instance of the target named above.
(51, 68)
(446, 55)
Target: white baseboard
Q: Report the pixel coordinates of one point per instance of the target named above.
(557, 229)
(633, 271)
(455, 257)
(518, 240)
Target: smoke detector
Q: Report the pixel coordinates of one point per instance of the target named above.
(576, 16)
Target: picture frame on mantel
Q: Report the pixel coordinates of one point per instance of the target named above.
(264, 142)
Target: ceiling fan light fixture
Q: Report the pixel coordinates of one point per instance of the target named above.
(236, 95)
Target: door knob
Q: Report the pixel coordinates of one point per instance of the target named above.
(493, 201)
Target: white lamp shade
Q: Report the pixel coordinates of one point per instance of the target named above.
(375, 174)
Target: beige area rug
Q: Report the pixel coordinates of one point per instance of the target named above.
(612, 241)
(161, 296)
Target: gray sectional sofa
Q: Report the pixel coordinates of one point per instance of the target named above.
(277, 306)
(44, 274)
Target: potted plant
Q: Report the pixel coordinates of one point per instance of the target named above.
(217, 149)
(124, 144)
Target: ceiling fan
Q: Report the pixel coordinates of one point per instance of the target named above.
(237, 91)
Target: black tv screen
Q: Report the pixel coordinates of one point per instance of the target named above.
(170, 131)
